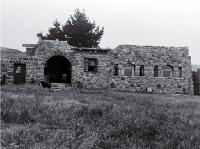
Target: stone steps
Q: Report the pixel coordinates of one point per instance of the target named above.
(59, 86)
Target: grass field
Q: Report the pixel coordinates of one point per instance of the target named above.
(81, 119)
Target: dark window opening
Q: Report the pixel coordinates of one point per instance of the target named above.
(134, 72)
(142, 70)
(156, 71)
(180, 72)
(90, 65)
(116, 70)
(3, 79)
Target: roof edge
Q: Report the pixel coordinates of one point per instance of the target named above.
(30, 45)
(148, 46)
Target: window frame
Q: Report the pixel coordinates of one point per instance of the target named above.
(129, 69)
(169, 69)
(87, 67)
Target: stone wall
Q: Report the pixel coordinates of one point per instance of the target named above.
(157, 85)
(97, 79)
(33, 69)
(48, 48)
(35, 62)
(45, 49)
(151, 56)
(124, 56)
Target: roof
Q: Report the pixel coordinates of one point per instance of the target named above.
(91, 49)
(30, 45)
(149, 46)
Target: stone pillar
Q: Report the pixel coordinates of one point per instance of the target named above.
(160, 71)
(137, 70)
(175, 72)
(121, 70)
(148, 71)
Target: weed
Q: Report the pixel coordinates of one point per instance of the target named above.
(32, 118)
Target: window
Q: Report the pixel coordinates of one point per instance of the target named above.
(142, 70)
(128, 71)
(133, 72)
(179, 72)
(156, 71)
(116, 70)
(167, 71)
(90, 65)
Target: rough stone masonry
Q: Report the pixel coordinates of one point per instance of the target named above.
(155, 69)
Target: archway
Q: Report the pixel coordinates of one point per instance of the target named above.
(57, 70)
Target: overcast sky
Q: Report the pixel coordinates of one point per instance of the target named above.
(140, 22)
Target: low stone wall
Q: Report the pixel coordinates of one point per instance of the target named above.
(157, 85)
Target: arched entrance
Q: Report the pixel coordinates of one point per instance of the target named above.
(57, 70)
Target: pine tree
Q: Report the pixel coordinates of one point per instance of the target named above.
(83, 33)
(77, 30)
(55, 32)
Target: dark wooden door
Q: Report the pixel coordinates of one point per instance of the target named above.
(19, 73)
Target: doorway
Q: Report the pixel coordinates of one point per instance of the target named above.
(19, 73)
(57, 70)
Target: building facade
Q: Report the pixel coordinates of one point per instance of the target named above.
(137, 68)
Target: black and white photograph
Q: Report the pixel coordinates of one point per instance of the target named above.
(100, 74)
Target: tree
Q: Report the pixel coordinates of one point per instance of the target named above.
(82, 31)
(77, 30)
(55, 32)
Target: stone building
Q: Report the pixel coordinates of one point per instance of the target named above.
(137, 68)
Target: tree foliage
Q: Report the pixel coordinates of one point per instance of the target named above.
(78, 30)
(55, 32)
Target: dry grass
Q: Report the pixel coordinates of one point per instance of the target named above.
(37, 118)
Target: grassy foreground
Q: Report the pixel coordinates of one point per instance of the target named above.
(42, 119)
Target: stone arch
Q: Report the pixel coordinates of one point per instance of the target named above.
(57, 69)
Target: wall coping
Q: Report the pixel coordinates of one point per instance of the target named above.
(150, 46)
(150, 77)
